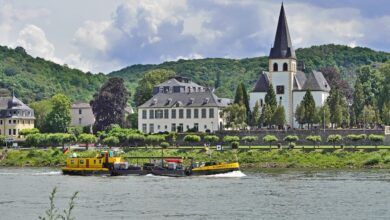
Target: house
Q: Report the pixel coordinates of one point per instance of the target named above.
(179, 104)
(81, 114)
(14, 116)
(290, 84)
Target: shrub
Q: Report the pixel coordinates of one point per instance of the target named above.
(269, 139)
(36, 140)
(250, 139)
(291, 145)
(386, 160)
(291, 138)
(87, 139)
(372, 160)
(356, 137)
(135, 137)
(211, 138)
(164, 145)
(231, 139)
(28, 131)
(111, 140)
(314, 139)
(156, 138)
(191, 138)
(376, 138)
(235, 145)
(333, 138)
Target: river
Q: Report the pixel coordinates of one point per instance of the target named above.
(269, 194)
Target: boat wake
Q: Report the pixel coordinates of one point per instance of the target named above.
(50, 173)
(233, 174)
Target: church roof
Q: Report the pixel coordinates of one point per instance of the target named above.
(316, 82)
(282, 47)
(299, 80)
(262, 83)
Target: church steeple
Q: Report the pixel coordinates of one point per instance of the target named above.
(282, 47)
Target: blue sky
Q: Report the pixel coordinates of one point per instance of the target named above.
(102, 36)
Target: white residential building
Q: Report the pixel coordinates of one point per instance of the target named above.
(179, 104)
(290, 85)
(81, 114)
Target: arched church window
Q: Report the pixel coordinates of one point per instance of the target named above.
(285, 67)
(275, 67)
(261, 103)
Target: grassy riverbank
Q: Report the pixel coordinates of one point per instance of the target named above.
(248, 158)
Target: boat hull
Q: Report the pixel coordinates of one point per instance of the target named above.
(213, 172)
(86, 172)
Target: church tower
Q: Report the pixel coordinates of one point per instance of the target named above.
(283, 67)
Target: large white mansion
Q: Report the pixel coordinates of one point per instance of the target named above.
(290, 85)
(179, 104)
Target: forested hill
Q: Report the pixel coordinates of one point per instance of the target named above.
(231, 71)
(35, 78)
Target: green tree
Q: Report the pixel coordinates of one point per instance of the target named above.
(144, 90)
(255, 118)
(270, 98)
(266, 115)
(87, 139)
(300, 114)
(310, 108)
(386, 113)
(41, 110)
(369, 116)
(235, 116)
(358, 102)
(109, 104)
(239, 96)
(269, 139)
(279, 117)
(337, 107)
(59, 118)
(324, 115)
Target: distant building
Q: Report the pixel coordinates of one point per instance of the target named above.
(81, 114)
(14, 116)
(290, 83)
(179, 104)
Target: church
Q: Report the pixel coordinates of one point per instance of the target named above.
(290, 84)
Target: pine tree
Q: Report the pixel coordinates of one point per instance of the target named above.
(217, 83)
(270, 98)
(386, 113)
(239, 97)
(266, 115)
(310, 108)
(358, 101)
(300, 114)
(279, 117)
(255, 118)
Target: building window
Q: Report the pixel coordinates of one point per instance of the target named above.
(151, 128)
(211, 113)
(9, 131)
(158, 127)
(166, 127)
(173, 127)
(279, 89)
(173, 113)
(14, 121)
(188, 113)
(275, 67)
(261, 103)
(166, 113)
(181, 113)
(80, 119)
(1, 122)
(14, 131)
(285, 67)
(180, 128)
(159, 114)
(203, 113)
(9, 121)
(144, 128)
(196, 113)
(80, 111)
(151, 114)
(144, 114)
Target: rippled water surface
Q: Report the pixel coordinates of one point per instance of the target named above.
(276, 194)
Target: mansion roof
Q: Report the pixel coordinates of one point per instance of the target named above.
(12, 107)
(194, 99)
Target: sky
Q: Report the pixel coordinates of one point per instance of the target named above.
(107, 35)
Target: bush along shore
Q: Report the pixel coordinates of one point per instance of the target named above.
(248, 158)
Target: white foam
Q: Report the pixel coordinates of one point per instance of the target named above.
(50, 173)
(234, 174)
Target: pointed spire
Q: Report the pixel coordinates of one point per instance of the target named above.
(282, 45)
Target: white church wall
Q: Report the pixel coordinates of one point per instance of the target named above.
(282, 79)
(254, 97)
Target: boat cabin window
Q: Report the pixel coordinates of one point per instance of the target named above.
(94, 161)
(81, 162)
(100, 161)
(72, 162)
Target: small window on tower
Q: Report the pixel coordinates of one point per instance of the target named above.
(279, 89)
(275, 67)
(285, 67)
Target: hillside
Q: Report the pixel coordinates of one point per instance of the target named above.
(231, 71)
(35, 78)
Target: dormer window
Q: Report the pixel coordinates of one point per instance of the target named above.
(191, 101)
(275, 67)
(206, 100)
(154, 101)
(285, 67)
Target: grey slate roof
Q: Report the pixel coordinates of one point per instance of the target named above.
(299, 80)
(262, 83)
(175, 82)
(282, 47)
(195, 99)
(81, 105)
(316, 82)
(12, 103)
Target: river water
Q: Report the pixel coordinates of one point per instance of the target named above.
(275, 194)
